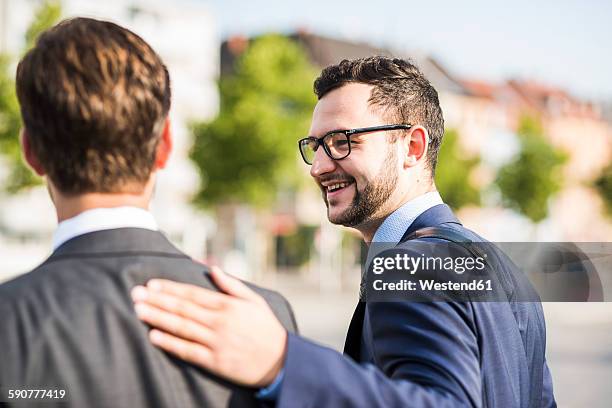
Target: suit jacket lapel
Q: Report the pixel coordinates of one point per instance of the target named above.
(352, 345)
(439, 214)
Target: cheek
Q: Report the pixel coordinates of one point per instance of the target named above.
(366, 167)
(365, 162)
(361, 172)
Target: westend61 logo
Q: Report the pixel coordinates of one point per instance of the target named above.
(411, 264)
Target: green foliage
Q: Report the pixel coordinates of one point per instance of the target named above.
(10, 121)
(603, 184)
(46, 16)
(534, 176)
(20, 176)
(250, 149)
(453, 173)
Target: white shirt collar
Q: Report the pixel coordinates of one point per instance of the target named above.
(395, 225)
(99, 219)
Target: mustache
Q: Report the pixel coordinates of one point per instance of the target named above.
(335, 177)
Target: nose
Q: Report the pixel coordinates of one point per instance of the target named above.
(321, 164)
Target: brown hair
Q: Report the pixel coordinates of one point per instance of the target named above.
(399, 88)
(94, 97)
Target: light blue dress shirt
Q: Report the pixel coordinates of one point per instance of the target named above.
(395, 225)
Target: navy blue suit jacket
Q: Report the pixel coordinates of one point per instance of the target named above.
(427, 354)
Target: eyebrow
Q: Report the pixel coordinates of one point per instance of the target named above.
(335, 129)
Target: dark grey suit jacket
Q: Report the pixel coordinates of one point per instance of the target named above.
(70, 324)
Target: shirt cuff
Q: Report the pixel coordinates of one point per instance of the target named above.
(272, 391)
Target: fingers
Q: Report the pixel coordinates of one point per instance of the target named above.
(185, 350)
(233, 286)
(175, 305)
(204, 297)
(176, 325)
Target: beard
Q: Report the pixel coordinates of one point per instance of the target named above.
(375, 193)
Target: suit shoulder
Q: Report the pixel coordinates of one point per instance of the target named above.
(273, 297)
(279, 305)
(15, 286)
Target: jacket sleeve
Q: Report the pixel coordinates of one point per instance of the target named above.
(426, 355)
(548, 397)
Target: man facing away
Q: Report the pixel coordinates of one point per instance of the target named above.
(95, 99)
(375, 135)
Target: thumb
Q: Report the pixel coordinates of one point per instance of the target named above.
(231, 285)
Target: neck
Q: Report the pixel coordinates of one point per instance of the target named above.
(68, 206)
(369, 228)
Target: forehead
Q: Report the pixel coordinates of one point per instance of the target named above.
(346, 107)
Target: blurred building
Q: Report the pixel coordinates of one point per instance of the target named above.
(574, 126)
(184, 34)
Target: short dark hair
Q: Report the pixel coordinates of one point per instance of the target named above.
(94, 97)
(399, 88)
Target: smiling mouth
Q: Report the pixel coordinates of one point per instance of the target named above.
(338, 186)
(332, 188)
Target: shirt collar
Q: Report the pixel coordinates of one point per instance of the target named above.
(395, 225)
(99, 219)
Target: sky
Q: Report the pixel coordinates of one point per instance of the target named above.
(560, 43)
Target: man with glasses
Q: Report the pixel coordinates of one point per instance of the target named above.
(373, 146)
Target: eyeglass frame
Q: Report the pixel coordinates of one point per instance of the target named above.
(347, 133)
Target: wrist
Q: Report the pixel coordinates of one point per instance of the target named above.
(280, 352)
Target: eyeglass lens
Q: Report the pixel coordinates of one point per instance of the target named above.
(336, 144)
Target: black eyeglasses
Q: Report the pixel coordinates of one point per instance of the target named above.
(337, 143)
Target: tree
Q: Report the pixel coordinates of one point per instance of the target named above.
(603, 184)
(249, 151)
(20, 176)
(453, 173)
(534, 176)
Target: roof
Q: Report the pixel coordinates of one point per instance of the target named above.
(525, 95)
(323, 51)
(480, 88)
(552, 100)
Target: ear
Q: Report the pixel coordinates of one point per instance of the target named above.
(29, 155)
(415, 146)
(164, 148)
